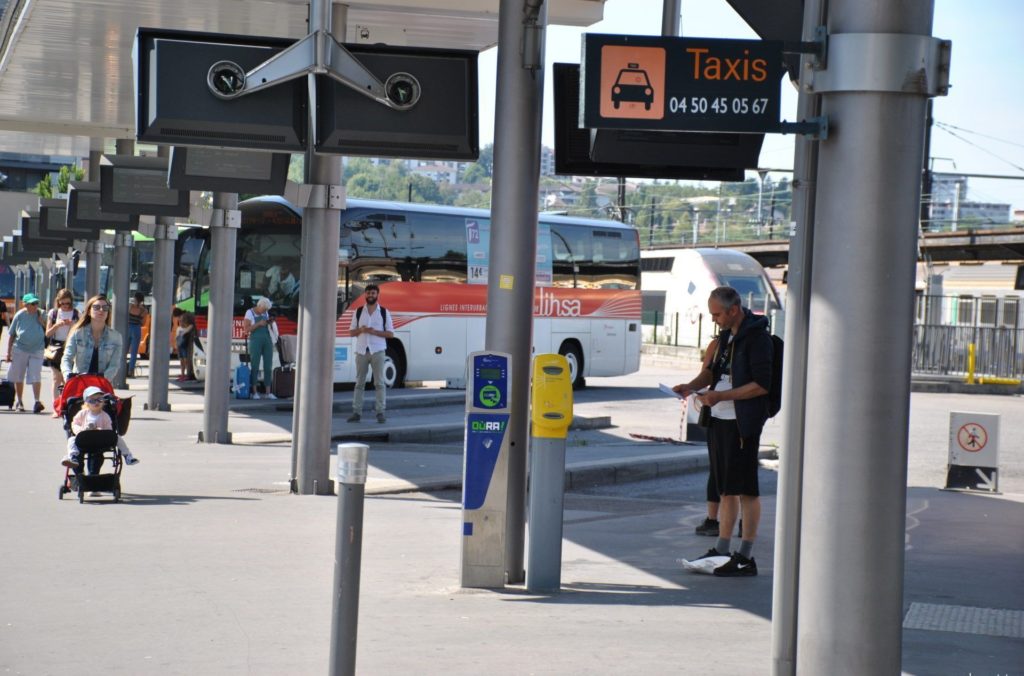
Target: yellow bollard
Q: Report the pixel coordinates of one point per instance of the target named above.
(970, 363)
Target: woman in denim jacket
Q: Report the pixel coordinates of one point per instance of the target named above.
(93, 346)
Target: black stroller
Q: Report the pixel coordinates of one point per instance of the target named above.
(95, 448)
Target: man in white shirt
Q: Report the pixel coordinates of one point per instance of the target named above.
(371, 327)
(281, 283)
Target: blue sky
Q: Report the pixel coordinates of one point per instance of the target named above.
(987, 95)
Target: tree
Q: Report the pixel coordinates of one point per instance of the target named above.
(65, 175)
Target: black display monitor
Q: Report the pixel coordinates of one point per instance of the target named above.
(84, 210)
(174, 105)
(31, 232)
(228, 170)
(443, 124)
(53, 215)
(642, 154)
(130, 184)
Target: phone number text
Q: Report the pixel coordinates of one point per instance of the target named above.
(717, 105)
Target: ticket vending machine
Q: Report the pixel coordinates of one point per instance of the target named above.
(485, 469)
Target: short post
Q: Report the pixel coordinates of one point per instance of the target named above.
(550, 416)
(352, 460)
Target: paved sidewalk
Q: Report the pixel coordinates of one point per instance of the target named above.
(211, 567)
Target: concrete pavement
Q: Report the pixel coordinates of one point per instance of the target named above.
(211, 567)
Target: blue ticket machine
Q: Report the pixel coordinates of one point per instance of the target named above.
(485, 469)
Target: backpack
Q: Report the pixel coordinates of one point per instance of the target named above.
(775, 392)
(383, 315)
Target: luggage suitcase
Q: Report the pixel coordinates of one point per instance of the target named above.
(283, 382)
(242, 377)
(7, 394)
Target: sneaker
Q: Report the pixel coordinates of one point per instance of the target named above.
(38, 407)
(708, 527)
(70, 462)
(271, 396)
(255, 396)
(131, 461)
(355, 417)
(19, 407)
(737, 566)
(381, 418)
(711, 552)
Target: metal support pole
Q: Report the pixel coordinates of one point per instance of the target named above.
(670, 20)
(348, 551)
(785, 582)
(547, 497)
(164, 234)
(19, 290)
(510, 286)
(865, 245)
(93, 249)
(120, 281)
(224, 237)
(318, 301)
(121, 276)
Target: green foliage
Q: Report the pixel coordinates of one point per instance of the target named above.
(66, 174)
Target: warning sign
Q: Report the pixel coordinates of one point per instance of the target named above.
(973, 451)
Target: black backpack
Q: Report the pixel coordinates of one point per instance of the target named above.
(775, 393)
(383, 315)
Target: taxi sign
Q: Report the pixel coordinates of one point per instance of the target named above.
(680, 84)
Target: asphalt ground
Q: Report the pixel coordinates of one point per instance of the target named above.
(210, 566)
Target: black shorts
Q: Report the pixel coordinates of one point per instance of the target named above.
(734, 459)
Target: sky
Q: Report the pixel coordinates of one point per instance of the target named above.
(986, 98)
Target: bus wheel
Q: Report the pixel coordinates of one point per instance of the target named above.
(394, 365)
(570, 349)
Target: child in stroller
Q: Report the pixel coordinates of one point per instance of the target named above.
(92, 416)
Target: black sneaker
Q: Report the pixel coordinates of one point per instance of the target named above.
(737, 566)
(708, 527)
(709, 553)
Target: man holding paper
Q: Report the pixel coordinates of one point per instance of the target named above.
(738, 377)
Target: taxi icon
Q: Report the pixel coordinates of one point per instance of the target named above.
(632, 85)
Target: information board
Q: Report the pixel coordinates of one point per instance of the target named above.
(680, 84)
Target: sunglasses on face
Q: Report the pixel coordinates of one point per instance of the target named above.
(65, 303)
(101, 308)
(94, 401)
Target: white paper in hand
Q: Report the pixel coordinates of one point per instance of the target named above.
(669, 391)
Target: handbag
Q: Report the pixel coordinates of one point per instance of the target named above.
(52, 352)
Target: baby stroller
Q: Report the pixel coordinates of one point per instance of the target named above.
(94, 446)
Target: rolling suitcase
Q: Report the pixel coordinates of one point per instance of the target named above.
(283, 382)
(7, 394)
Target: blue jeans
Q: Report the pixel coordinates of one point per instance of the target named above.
(134, 340)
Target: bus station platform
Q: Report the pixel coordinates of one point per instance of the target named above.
(210, 566)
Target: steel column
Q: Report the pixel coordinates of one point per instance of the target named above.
(522, 26)
(859, 358)
(224, 239)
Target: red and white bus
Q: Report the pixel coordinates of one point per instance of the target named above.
(431, 263)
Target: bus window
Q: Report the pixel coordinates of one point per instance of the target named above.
(563, 269)
(268, 265)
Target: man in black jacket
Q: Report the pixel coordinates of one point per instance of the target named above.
(741, 374)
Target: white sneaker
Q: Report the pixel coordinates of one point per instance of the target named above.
(271, 396)
(255, 395)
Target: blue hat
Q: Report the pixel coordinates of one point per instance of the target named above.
(29, 299)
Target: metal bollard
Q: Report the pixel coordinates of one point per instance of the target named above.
(347, 557)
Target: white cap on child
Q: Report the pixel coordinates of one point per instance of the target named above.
(92, 391)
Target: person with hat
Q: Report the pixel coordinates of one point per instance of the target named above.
(26, 341)
(93, 417)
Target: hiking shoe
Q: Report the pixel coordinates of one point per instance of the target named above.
(381, 418)
(708, 527)
(70, 462)
(38, 408)
(737, 566)
(355, 417)
(131, 461)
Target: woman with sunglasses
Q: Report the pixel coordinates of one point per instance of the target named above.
(58, 326)
(93, 346)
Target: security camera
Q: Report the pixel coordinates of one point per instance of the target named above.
(226, 79)
(403, 91)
